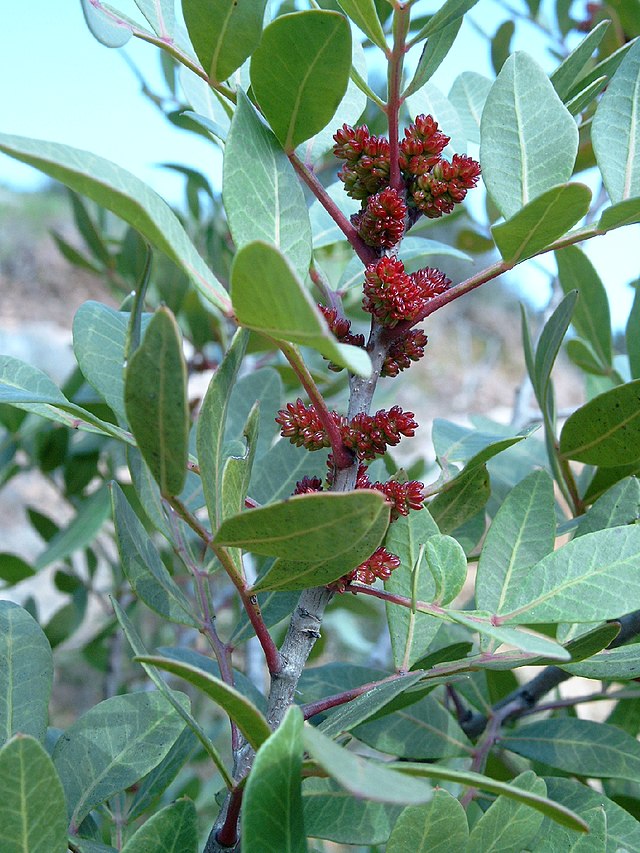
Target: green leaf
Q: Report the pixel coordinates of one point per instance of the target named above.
(272, 820)
(300, 71)
(433, 53)
(28, 388)
(156, 402)
(461, 499)
(349, 110)
(126, 196)
(591, 317)
(279, 306)
(437, 827)
(468, 95)
(581, 100)
(521, 534)
(160, 15)
(623, 831)
(262, 386)
(374, 701)
(99, 337)
(26, 674)
(80, 533)
(140, 651)
(620, 664)
(549, 345)
(559, 813)
(154, 784)
(518, 162)
(541, 221)
(32, 807)
(14, 569)
(606, 430)
(305, 527)
(421, 731)
(331, 812)
(582, 355)
(527, 641)
(363, 778)
(446, 14)
(112, 746)
(143, 566)
(508, 826)
(211, 427)
(587, 580)
(632, 337)
(237, 469)
(287, 574)
(614, 132)
(472, 446)
(619, 505)
(447, 563)
(501, 44)
(566, 74)
(262, 196)
(363, 14)
(173, 829)
(596, 840)
(244, 713)
(223, 34)
(578, 746)
(102, 26)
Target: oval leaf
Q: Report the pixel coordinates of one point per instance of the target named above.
(277, 304)
(26, 674)
(262, 196)
(606, 430)
(244, 713)
(300, 71)
(156, 402)
(174, 829)
(272, 802)
(529, 139)
(223, 33)
(32, 807)
(615, 131)
(305, 527)
(111, 747)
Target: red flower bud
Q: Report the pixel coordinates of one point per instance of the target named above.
(404, 351)
(402, 497)
(422, 146)
(382, 222)
(436, 192)
(366, 170)
(307, 485)
(389, 293)
(370, 435)
(431, 282)
(302, 426)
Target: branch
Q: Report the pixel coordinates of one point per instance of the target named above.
(525, 698)
(401, 21)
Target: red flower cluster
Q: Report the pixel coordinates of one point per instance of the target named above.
(370, 435)
(392, 295)
(382, 222)
(367, 435)
(437, 191)
(302, 426)
(341, 328)
(307, 485)
(433, 185)
(404, 351)
(366, 170)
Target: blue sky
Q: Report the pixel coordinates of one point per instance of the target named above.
(59, 83)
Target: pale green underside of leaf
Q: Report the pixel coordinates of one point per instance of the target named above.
(262, 195)
(529, 139)
(616, 130)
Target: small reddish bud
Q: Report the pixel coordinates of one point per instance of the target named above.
(307, 485)
(403, 352)
(436, 192)
(302, 426)
(390, 294)
(382, 222)
(422, 146)
(370, 435)
(431, 282)
(402, 497)
(379, 566)
(366, 170)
